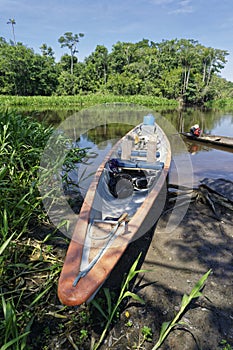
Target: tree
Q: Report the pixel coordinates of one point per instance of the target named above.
(98, 62)
(70, 41)
(22, 72)
(67, 84)
(47, 50)
(12, 22)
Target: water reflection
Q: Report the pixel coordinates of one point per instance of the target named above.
(206, 160)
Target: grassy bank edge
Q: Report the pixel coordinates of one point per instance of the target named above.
(80, 101)
(225, 104)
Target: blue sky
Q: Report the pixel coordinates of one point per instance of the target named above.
(104, 22)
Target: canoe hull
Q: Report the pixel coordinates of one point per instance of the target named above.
(222, 141)
(87, 286)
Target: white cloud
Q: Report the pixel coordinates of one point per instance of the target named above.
(183, 6)
(178, 6)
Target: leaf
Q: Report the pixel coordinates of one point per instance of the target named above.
(109, 301)
(195, 293)
(164, 328)
(133, 267)
(13, 341)
(134, 296)
(5, 244)
(39, 296)
(99, 308)
(185, 300)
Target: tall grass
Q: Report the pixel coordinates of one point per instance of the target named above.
(22, 141)
(81, 101)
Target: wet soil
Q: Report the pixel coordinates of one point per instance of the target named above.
(176, 260)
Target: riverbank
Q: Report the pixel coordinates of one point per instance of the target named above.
(32, 254)
(78, 102)
(176, 261)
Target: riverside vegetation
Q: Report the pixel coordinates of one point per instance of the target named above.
(28, 263)
(31, 255)
(178, 69)
(28, 266)
(158, 75)
(79, 102)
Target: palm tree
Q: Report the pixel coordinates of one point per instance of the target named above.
(12, 22)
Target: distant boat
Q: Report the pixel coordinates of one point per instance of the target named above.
(223, 141)
(121, 196)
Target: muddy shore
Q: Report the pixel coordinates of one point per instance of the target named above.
(177, 260)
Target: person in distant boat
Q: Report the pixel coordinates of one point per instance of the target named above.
(195, 130)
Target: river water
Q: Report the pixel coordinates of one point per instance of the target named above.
(100, 127)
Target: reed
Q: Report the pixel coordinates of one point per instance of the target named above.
(21, 144)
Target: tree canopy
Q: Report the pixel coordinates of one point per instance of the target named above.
(178, 69)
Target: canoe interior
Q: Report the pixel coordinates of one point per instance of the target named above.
(127, 183)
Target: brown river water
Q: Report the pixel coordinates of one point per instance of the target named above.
(100, 127)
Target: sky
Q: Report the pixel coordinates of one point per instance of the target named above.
(105, 22)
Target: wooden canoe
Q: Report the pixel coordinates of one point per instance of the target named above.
(121, 196)
(222, 141)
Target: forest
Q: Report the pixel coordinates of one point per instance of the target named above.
(181, 69)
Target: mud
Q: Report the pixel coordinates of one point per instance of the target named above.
(177, 260)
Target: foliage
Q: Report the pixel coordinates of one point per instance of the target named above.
(22, 72)
(21, 144)
(175, 69)
(225, 345)
(23, 259)
(70, 41)
(112, 308)
(82, 101)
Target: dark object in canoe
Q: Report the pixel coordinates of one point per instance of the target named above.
(223, 141)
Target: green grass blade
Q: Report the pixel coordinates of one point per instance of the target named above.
(109, 301)
(5, 244)
(13, 341)
(39, 296)
(164, 328)
(133, 296)
(99, 308)
(195, 293)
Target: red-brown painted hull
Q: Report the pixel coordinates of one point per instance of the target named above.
(89, 284)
